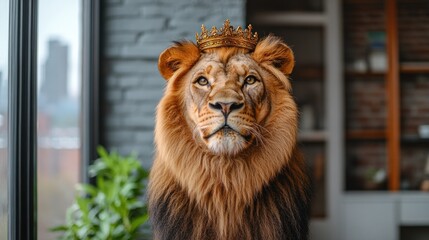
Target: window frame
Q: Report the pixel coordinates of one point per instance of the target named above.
(91, 48)
(22, 98)
(22, 119)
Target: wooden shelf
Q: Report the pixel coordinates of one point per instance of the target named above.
(414, 67)
(368, 74)
(312, 136)
(414, 139)
(362, 2)
(366, 134)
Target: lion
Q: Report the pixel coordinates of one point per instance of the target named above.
(227, 165)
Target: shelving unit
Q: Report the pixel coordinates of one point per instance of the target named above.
(381, 102)
(385, 158)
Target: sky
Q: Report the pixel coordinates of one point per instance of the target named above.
(57, 19)
(4, 6)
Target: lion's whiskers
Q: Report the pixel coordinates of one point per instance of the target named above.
(255, 130)
(263, 130)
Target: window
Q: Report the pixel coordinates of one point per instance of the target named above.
(4, 193)
(58, 110)
(47, 133)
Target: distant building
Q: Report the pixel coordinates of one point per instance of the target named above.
(54, 85)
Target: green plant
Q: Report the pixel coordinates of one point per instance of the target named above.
(113, 207)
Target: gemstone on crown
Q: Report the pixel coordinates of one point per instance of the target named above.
(227, 36)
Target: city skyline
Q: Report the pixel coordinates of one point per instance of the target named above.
(54, 82)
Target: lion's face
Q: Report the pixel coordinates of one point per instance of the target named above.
(225, 93)
(226, 101)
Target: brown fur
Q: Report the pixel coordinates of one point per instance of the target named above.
(201, 189)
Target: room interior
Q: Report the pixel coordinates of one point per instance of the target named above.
(90, 78)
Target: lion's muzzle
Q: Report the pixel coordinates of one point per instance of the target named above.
(226, 107)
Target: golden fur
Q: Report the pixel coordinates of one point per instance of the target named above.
(246, 181)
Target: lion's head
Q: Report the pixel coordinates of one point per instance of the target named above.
(228, 96)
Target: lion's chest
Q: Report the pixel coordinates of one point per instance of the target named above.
(219, 216)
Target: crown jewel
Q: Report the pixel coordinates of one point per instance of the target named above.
(227, 37)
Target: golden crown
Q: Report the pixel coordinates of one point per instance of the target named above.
(227, 37)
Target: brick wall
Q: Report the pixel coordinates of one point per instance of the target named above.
(366, 104)
(413, 19)
(135, 33)
(414, 103)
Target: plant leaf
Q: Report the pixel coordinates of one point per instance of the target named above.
(137, 222)
(61, 228)
(87, 188)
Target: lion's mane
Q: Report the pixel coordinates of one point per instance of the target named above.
(259, 193)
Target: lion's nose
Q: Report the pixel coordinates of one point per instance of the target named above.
(226, 107)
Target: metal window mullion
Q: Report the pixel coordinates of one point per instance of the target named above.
(22, 119)
(90, 132)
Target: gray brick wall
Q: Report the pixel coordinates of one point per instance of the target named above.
(135, 33)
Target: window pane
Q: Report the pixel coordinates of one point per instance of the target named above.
(59, 95)
(4, 35)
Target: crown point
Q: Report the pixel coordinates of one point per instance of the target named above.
(213, 31)
(204, 32)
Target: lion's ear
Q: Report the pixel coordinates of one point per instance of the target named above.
(273, 51)
(180, 55)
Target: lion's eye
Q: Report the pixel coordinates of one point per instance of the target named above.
(250, 80)
(202, 81)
